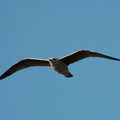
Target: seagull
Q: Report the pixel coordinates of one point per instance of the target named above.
(60, 65)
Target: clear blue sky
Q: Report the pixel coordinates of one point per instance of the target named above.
(55, 28)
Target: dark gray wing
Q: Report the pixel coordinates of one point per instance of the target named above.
(81, 54)
(25, 63)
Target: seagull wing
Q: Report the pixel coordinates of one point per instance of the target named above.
(25, 63)
(81, 54)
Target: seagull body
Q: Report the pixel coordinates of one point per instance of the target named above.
(60, 65)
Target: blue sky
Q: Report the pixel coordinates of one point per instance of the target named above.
(55, 28)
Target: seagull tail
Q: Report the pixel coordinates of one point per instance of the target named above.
(69, 75)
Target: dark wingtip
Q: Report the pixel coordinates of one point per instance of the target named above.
(117, 59)
(2, 77)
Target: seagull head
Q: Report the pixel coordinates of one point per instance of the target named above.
(53, 60)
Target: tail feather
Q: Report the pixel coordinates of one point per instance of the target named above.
(69, 75)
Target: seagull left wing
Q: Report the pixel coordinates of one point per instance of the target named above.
(25, 63)
(81, 54)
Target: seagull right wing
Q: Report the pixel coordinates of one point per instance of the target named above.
(82, 54)
(25, 63)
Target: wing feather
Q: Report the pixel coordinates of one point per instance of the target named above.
(82, 54)
(25, 63)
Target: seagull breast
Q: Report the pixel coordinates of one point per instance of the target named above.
(60, 67)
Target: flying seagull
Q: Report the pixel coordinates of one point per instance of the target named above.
(60, 65)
